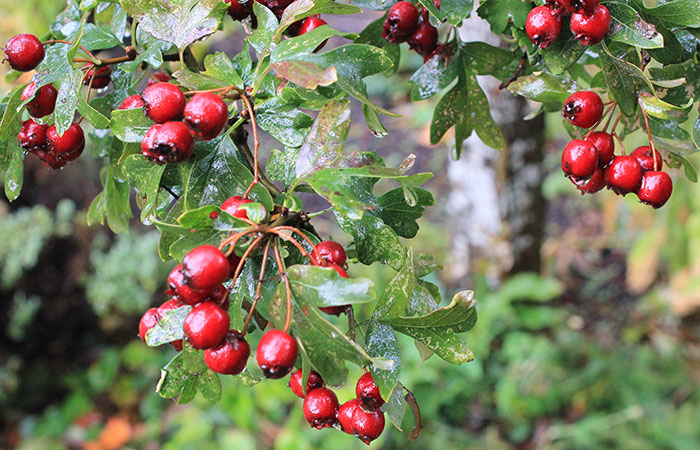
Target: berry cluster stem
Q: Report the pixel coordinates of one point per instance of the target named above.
(651, 140)
(258, 287)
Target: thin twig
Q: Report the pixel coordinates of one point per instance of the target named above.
(290, 239)
(258, 288)
(287, 287)
(256, 144)
(169, 191)
(239, 138)
(516, 74)
(651, 140)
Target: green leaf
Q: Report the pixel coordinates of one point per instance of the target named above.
(301, 9)
(67, 100)
(112, 202)
(264, 34)
(281, 166)
(372, 35)
(145, 176)
(499, 13)
(198, 81)
(375, 241)
(12, 117)
(624, 80)
(169, 327)
(563, 53)
(459, 316)
(394, 211)
(209, 384)
(544, 87)
(374, 123)
(380, 341)
(305, 74)
(281, 117)
(219, 65)
(13, 167)
(179, 22)
(628, 27)
(96, 118)
(395, 406)
(486, 59)
(306, 43)
(324, 143)
(658, 108)
(130, 125)
(432, 77)
(323, 286)
(454, 11)
(684, 13)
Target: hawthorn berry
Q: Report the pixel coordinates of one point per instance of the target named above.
(593, 184)
(542, 26)
(230, 357)
(605, 144)
(623, 175)
(643, 155)
(32, 136)
(206, 325)
(314, 381)
(98, 78)
(335, 310)
(583, 109)
(330, 252)
(345, 413)
(368, 392)
(232, 204)
(24, 52)
(163, 102)
(149, 320)
(311, 23)
(168, 142)
(579, 159)
(44, 99)
(132, 102)
(233, 261)
(205, 267)
(424, 40)
(158, 77)
(584, 5)
(220, 296)
(320, 408)
(591, 27)
(276, 353)
(561, 7)
(206, 114)
(368, 424)
(655, 189)
(401, 22)
(239, 10)
(71, 142)
(180, 290)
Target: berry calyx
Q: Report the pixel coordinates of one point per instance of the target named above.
(591, 27)
(401, 22)
(232, 204)
(345, 413)
(623, 175)
(32, 136)
(239, 10)
(579, 159)
(44, 101)
(149, 320)
(206, 114)
(320, 408)
(24, 52)
(424, 40)
(276, 353)
(314, 381)
(543, 26)
(593, 184)
(163, 102)
(70, 143)
(206, 325)
(181, 291)
(168, 142)
(368, 392)
(205, 267)
(330, 252)
(643, 155)
(230, 357)
(98, 78)
(335, 310)
(583, 109)
(132, 102)
(655, 189)
(605, 144)
(368, 424)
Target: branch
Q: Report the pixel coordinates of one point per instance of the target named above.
(521, 66)
(240, 138)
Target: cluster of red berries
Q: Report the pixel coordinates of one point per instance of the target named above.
(242, 10)
(591, 162)
(360, 416)
(589, 21)
(178, 122)
(404, 23)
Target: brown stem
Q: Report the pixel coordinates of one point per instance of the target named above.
(651, 140)
(256, 144)
(245, 256)
(300, 233)
(231, 240)
(222, 91)
(293, 241)
(350, 312)
(413, 404)
(240, 139)
(287, 287)
(516, 74)
(612, 113)
(61, 41)
(605, 114)
(258, 288)
(619, 116)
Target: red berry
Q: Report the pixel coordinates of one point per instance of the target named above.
(583, 109)
(44, 101)
(591, 27)
(72, 141)
(207, 115)
(168, 142)
(345, 413)
(401, 22)
(320, 408)
(310, 23)
(584, 5)
(593, 184)
(100, 78)
(163, 102)
(330, 252)
(180, 289)
(220, 296)
(655, 189)
(335, 310)
(424, 40)
(230, 357)
(158, 77)
(132, 102)
(314, 381)
(205, 267)
(240, 10)
(232, 204)
(233, 261)
(579, 159)
(149, 320)
(605, 144)
(542, 26)
(170, 305)
(623, 175)
(24, 52)
(32, 136)
(368, 424)
(206, 325)
(643, 155)
(276, 353)
(368, 392)
(561, 7)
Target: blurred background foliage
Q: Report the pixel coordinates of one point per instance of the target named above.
(600, 350)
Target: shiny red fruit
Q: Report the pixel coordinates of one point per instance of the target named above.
(163, 102)
(591, 27)
(330, 252)
(605, 144)
(132, 102)
(583, 109)
(335, 310)
(579, 159)
(561, 7)
(169, 142)
(584, 5)
(183, 292)
(345, 413)
(232, 204)
(623, 175)
(239, 10)
(158, 77)
(44, 101)
(230, 357)
(32, 136)
(655, 189)
(310, 23)
(368, 424)
(314, 381)
(593, 184)
(72, 141)
(320, 408)
(368, 392)
(424, 40)
(206, 325)
(276, 353)
(542, 26)
(205, 267)
(24, 52)
(401, 22)
(206, 114)
(149, 320)
(643, 155)
(99, 78)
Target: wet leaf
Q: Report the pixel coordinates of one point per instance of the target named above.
(322, 286)
(169, 327)
(628, 27)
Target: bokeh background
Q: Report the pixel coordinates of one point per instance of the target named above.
(593, 342)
